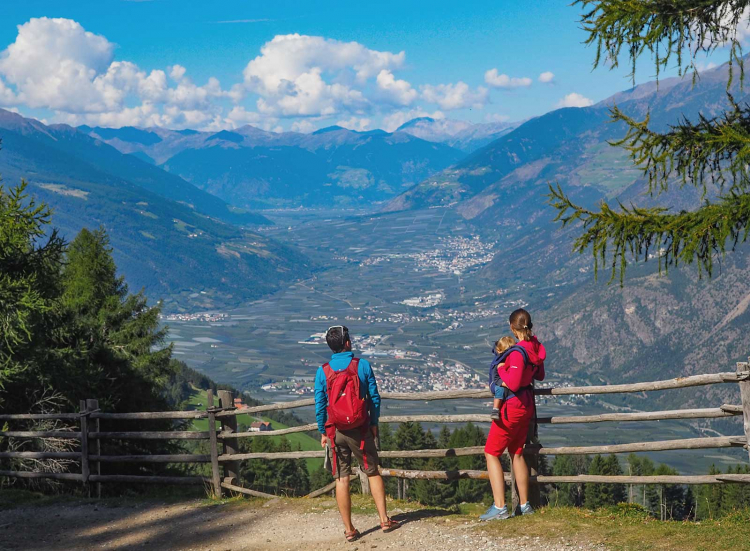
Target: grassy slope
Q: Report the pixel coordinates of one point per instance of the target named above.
(303, 440)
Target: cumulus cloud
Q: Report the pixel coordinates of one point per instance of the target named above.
(496, 80)
(547, 77)
(574, 100)
(397, 91)
(355, 123)
(304, 126)
(7, 97)
(496, 117)
(392, 121)
(299, 75)
(455, 96)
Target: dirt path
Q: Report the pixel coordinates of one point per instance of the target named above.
(279, 524)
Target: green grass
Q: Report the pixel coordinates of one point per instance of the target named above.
(624, 527)
(302, 440)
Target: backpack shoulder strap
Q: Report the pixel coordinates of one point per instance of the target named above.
(327, 371)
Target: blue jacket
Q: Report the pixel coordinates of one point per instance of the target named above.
(339, 362)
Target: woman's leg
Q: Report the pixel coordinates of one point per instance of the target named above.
(497, 479)
(521, 472)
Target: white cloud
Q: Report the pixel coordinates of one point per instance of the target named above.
(7, 97)
(496, 117)
(399, 92)
(496, 80)
(392, 121)
(314, 76)
(304, 126)
(574, 100)
(455, 96)
(355, 123)
(547, 77)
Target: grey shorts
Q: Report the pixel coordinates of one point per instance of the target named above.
(347, 445)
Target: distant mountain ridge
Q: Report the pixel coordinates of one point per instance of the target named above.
(463, 135)
(253, 168)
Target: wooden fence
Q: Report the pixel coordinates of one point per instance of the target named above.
(225, 459)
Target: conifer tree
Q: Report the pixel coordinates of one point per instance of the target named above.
(31, 255)
(703, 153)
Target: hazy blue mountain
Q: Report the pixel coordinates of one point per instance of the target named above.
(568, 146)
(165, 246)
(109, 160)
(252, 168)
(463, 135)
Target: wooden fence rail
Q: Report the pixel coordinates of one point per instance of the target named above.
(228, 459)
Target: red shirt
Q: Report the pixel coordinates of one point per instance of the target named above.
(516, 374)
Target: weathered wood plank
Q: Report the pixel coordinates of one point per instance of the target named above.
(171, 458)
(63, 434)
(213, 446)
(54, 476)
(135, 416)
(38, 416)
(152, 435)
(704, 413)
(680, 444)
(93, 405)
(681, 382)
(607, 479)
(247, 491)
(745, 398)
(143, 479)
(324, 490)
(84, 444)
(230, 446)
(40, 455)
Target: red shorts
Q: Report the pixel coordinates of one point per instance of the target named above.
(509, 433)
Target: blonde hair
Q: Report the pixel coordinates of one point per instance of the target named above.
(504, 343)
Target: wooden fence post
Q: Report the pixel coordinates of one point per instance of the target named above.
(745, 396)
(92, 405)
(215, 476)
(535, 490)
(364, 481)
(229, 425)
(84, 444)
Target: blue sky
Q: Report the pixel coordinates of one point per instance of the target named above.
(293, 64)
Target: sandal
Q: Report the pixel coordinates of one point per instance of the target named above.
(389, 525)
(352, 536)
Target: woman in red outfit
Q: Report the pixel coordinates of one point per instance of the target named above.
(511, 430)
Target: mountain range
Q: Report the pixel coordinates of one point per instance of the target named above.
(251, 168)
(169, 237)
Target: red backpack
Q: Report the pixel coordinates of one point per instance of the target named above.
(346, 410)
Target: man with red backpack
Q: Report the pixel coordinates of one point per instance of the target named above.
(347, 408)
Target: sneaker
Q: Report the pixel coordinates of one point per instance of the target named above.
(495, 416)
(495, 513)
(527, 509)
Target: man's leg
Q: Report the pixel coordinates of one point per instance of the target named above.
(344, 501)
(521, 471)
(497, 479)
(377, 489)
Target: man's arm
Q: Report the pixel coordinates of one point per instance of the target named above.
(372, 391)
(321, 400)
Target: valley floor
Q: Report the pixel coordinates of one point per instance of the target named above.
(315, 524)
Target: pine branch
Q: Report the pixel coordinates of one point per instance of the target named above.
(667, 29)
(708, 151)
(631, 234)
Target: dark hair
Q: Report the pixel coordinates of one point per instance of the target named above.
(337, 338)
(520, 322)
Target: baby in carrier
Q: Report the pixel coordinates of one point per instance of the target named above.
(501, 346)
